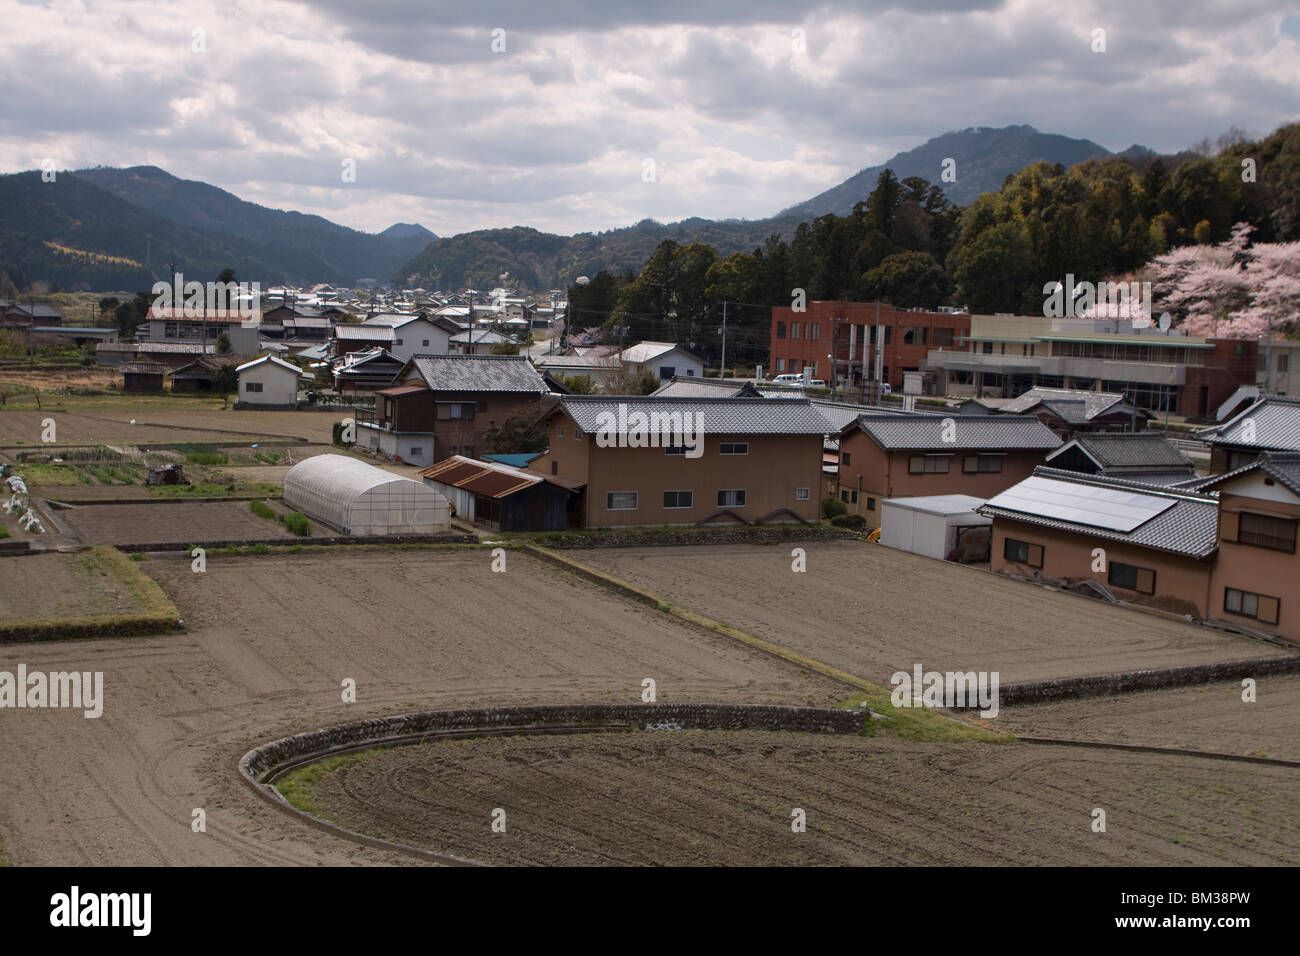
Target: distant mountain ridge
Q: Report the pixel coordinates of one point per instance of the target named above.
(115, 228)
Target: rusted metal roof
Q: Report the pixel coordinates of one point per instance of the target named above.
(480, 478)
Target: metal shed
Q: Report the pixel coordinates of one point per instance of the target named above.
(356, 498)
(937, 526)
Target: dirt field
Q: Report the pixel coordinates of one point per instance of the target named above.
(190, 522)
(110, 423)
(702, 797)
(60, 585)
(872, 610)
(1212, 717)
(270, 639)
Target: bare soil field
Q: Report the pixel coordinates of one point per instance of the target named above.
(271, 639)
(1211, 718)
(708, 798)
(872, 611)
(189, 522)
(111, 423)
(60, 585)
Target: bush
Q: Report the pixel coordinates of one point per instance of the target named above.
(831, 507)
(262, 509)
(297, 523)
(856, 522)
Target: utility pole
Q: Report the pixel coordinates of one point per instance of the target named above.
(722, 373)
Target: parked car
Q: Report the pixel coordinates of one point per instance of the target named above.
(789, 378)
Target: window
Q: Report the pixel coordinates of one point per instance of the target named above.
(801, 494)
(871, 504)
(1283, 362)
(620, 501)
(815, 331)
(482, 407)
(982, 464)
(577, 434)
(397, 342)
(846, 458)
(555, 468)
(780, 365)
(559, 430)
(731, 498)
(252, 386)
(449, 411)
(667, 371)
(849, 496)
(1022, 552)
(465, 451)
(417, 451)
(1142, 580)
(844, 494)
(943, 337)
(675, 449)
(928, 464)
(1265, 531)
(679, 499)
(1247, 604)
(780, 330)
(733, 448)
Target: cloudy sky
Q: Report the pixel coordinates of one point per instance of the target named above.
(472, 115)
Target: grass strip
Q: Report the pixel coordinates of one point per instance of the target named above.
(157, 614)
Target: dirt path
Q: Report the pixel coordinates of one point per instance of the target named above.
(726, 798)
(270, 640)
(872, 611)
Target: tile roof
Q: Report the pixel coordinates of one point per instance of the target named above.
(1276, 425)
(1147, 450)
(1072, 405)
(645, 351)
(719, 416)
(926, 432)
(840, 414)
(478, 373)
(1282, 466)
(1189, 527)
(374, 333)
(693, 387)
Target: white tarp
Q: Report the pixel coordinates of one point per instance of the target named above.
(357, 498)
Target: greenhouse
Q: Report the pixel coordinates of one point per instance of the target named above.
(356, 498)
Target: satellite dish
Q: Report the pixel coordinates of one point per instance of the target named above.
(1165, 321)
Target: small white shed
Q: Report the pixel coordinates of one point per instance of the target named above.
(932, 526)
(269, 382)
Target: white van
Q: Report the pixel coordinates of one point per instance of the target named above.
(789, 378)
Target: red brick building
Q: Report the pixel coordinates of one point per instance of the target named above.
(847, 329)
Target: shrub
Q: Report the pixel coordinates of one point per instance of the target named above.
(262, 509)
(856, 522)
(831, 507)
(297, 523)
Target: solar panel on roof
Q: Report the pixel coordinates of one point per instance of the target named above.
(1111, 508)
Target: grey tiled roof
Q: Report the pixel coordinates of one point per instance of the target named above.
(479, 373)
(840, 414)
(377, 333)
(1277, 426)
(720, 416)
(1282, 466)
(925, 432)
(1190, 527)
(1063, 401)
(1132, 450)
(691, 387)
